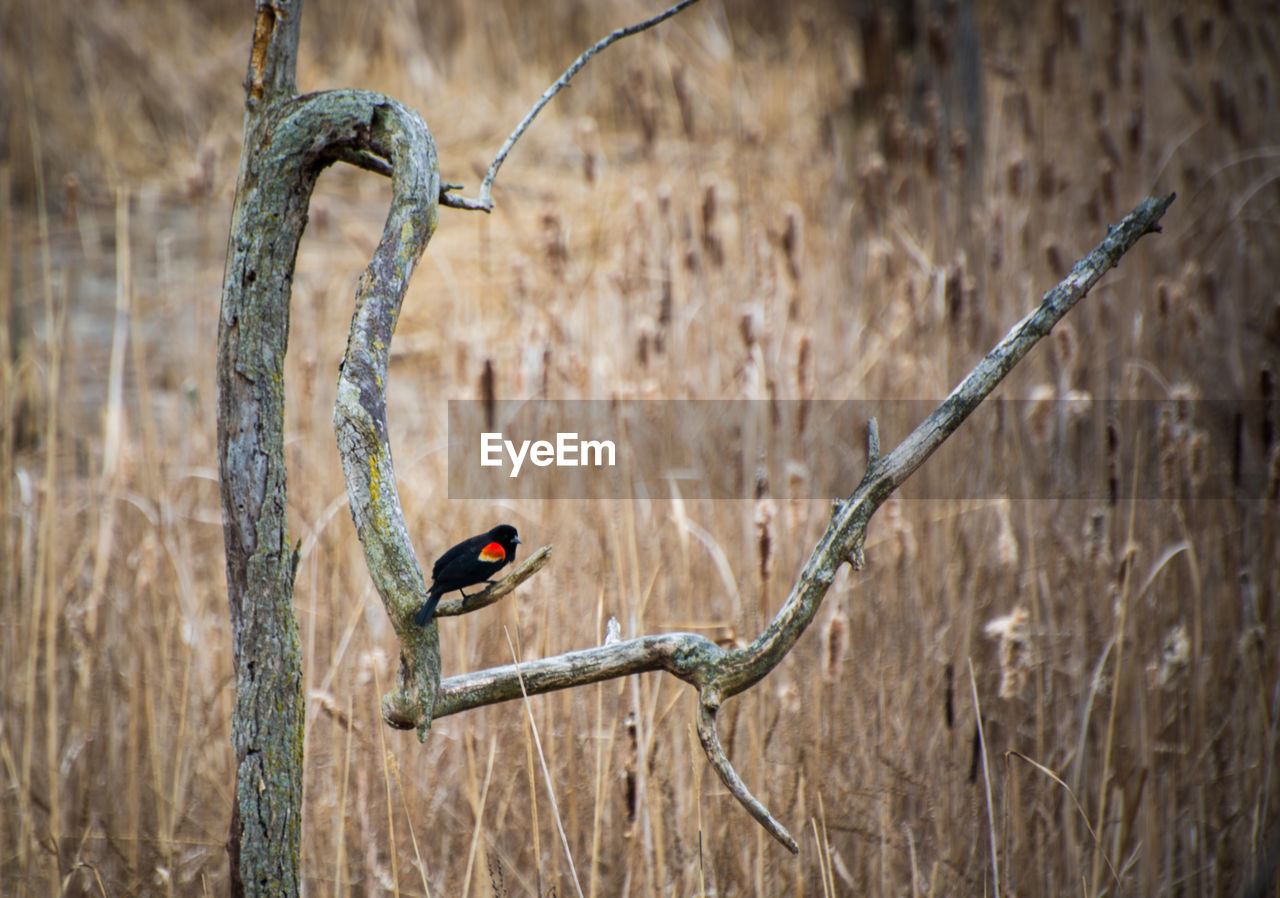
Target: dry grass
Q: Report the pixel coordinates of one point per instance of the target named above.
(721, 209)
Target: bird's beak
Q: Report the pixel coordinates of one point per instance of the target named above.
(517, 539)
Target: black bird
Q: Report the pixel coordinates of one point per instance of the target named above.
(471, 561)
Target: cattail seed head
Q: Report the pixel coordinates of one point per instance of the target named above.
(1181, 37)
(711, 243)
(588, 139)
(834, 643)
(1054, 258)
(555, 248)
(1107, 184)
(489, 393)
(1065, 346)
(792, 239)
(1134, 130)
(684, 99)
(1014, 650)
(764, 513)
(873, 177)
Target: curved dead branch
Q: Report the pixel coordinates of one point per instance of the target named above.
(718, 673)
(398, 138)
(846, 534)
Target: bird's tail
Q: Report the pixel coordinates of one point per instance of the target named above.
(423, 617)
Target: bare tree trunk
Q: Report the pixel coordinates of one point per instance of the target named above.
(289, 140)
(267, 723)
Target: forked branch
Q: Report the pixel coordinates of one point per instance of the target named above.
(717, 673)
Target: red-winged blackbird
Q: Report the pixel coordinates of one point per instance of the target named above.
(471, 561)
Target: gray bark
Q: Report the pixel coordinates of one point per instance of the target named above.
(289, 141)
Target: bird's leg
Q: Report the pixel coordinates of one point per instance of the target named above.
(486, 583)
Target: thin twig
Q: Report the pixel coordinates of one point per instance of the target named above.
(484, 202)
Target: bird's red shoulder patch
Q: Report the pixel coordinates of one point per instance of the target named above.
(493, 552)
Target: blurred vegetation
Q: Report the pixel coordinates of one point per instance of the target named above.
(754, 201)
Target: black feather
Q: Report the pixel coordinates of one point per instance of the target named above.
(464, 566)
